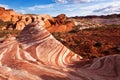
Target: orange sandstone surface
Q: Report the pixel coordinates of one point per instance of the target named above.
(36, 55)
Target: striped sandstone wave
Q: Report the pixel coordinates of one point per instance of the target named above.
(37, 55)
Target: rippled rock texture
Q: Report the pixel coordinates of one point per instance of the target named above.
(37, 55)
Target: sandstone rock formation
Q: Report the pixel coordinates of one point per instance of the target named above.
(60, 19)
(19, 21)
(37, 55)
(59, 24)
(27, 19)
(5, 15)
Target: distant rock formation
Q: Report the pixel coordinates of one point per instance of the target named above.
(60, 19)
(19, 21)
(59, 24)
(94, 21)
(14, 21)
(37, 55)
(5, 15)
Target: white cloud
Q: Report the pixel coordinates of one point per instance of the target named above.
(78, 9)
(110, 8)
(22, 11)
(75, 1)
(36, 7)
(61, 1)
(5, 6)
(100, 7)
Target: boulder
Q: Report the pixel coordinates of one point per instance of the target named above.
(19, 25)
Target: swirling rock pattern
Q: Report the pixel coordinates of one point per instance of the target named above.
(37, 55)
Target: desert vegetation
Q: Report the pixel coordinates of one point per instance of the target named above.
(6, 32)
(93, 42)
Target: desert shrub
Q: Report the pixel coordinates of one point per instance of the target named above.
(2, 23)
(57, 35)
(75, 29)
(5, 32)
(97, 44)
(106, 52)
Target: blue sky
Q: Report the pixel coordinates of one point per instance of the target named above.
(68, 7)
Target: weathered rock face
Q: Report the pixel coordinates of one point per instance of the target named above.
(4, 14)
(27, 19)
(19, 21)
(8, 15)
(15, 18)
(37, 55)
(59, 24)
(20, 25)
(1, 10)
(60, 19)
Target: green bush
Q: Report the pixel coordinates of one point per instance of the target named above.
(2, 23)
(5, 32)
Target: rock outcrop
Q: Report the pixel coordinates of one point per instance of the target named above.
(37, 55)
(93, 21)
(19, 21)
(5, 15)
(59, 24)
